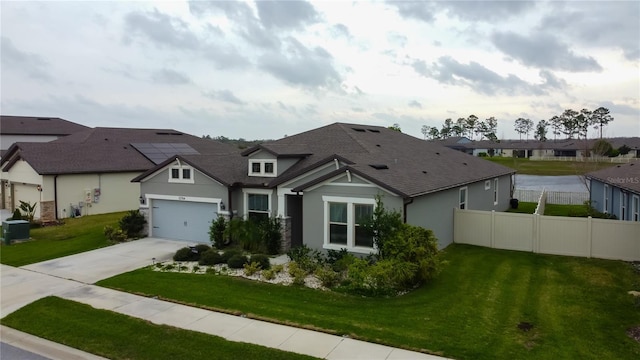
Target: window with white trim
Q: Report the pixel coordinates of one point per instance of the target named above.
(495, 191)
(265, 168)
(606, 199)
(635, 208)
(487, 184)
(343, 223)
(624, 198)
(181, 174)
(462, 204)
(258, 206)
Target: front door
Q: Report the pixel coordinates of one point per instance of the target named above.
(294, 211)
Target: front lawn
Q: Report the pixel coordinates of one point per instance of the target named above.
(75, 236)
(117, 336)
(486, 304)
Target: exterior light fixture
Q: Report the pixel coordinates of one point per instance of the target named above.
(222, 206)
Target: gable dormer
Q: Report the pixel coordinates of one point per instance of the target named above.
(272, 160)
(263, 164)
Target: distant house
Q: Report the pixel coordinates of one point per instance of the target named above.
(616, 191)
(15, 129)
(90, 172)
(322, 183)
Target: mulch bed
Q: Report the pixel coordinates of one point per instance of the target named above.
(634, 333)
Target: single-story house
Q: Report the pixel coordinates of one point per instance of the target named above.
(90, 172)
(321, 183)
(616, 190)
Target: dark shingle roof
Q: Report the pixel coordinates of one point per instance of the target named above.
(103, 150)
(29, 125)
(625, 176)
(414, 166)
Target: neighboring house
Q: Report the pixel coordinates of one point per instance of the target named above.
(616, 190)
(322, 183)
(15, 129)
(90, 172)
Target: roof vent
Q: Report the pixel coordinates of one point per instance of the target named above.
(374, 130)
(43, 118)
(437, 153)
(378, 145)
(359, 129)
(424, 171)
(379, 166)
(465, 164)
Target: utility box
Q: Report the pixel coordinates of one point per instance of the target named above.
(15, 230)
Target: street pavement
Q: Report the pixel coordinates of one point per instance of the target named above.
(72, 278)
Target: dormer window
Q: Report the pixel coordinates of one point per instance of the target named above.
(181, 174)
(265, 168)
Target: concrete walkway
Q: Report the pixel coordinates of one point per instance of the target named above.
(72, 278)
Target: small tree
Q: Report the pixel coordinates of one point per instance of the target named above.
(382, 225)
(217, 232)
(271, 235)
(132, 224)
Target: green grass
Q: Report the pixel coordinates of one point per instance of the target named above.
(117, 336)
(524, 208)
(579, 308)
(552, 209)
(528, 167)
(75, 236)
(566, 210)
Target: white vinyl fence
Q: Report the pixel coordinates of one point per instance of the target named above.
(558, 235)
(553, 197)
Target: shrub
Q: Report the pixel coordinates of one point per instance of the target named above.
(305, 258)
(327, 276)
(237, 261)
(415, 245)
(271, 235)
(263, 260)
(229, 254)
(133, 223)
(277, 268)
(17, 215)
(382, 225)
(217, 232)
(28, 209)
(186, 254)
(251, 268)
(114, 235)
(268, 274)
(202, 248)
(210, 257)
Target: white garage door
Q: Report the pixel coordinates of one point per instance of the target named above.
(182, 220)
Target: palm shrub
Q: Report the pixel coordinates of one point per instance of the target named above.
(133, 223)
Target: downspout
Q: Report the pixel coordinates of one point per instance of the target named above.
(55, 195)
(407, 202)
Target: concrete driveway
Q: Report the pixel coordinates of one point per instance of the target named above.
(21, 286)
(91, 266)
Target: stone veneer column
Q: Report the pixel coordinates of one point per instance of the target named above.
(285, 230)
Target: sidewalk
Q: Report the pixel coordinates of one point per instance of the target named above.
(47, 349)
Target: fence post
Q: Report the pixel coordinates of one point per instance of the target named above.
(536, 233)
(493, 228)
(589, 237)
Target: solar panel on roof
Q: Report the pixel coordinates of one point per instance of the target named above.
(159, 152)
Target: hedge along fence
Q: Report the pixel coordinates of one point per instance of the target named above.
(556, 235)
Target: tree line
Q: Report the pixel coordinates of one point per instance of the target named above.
(571, 123)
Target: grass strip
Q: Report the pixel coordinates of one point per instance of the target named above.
(557, 168)
(578, 308)
(75, 236)
(117, 336)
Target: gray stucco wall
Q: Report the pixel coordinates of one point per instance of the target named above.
(313, 208)
(597, 195)
(435, 211)
(203, 186)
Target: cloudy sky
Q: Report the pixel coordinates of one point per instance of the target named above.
(262, 70)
